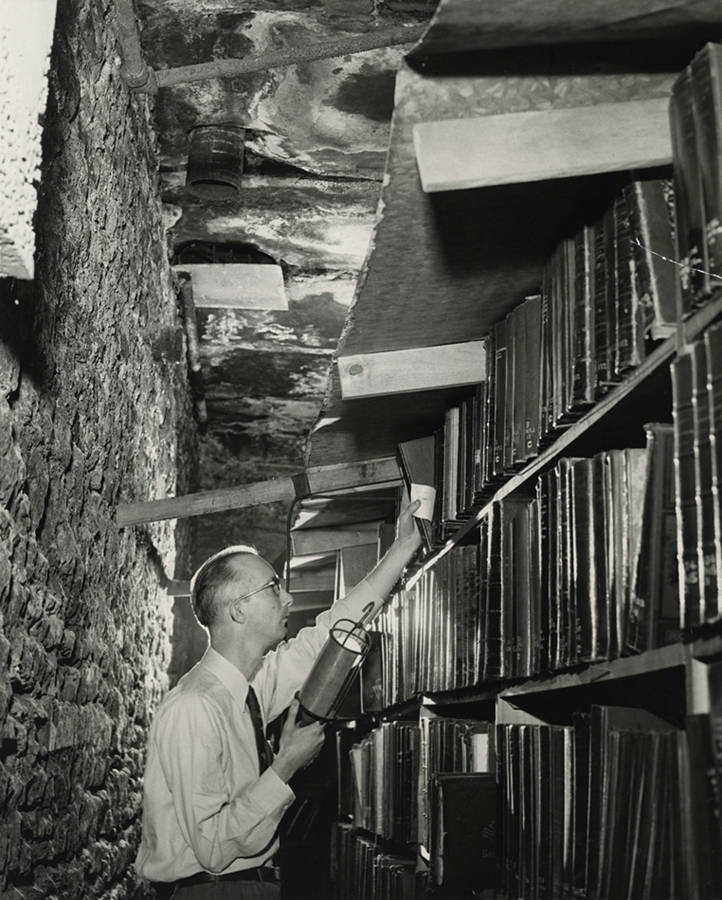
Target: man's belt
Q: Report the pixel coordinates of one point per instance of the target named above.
(258, 873)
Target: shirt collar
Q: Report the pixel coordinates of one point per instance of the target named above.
(224, 670)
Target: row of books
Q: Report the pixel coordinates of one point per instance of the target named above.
(620, 804)
(396, 762)
(696, 131)
(605, 293)
(364, 871)
(697, 411)
(385, 775)
(565, 575)
(431, 783)
(449, 745)
(585, 570)
(434, 639)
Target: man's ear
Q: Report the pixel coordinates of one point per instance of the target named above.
(237, 611)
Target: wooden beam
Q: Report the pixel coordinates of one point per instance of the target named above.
(319, 575)
(543, 144)
(417, 369)
(317, 540)
(320, 478)
(236, 285)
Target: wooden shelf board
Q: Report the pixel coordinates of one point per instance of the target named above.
(513, 148)
(668, 657)
(664, 353)
(660, 659)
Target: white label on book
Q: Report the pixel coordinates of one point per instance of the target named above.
(427, 495)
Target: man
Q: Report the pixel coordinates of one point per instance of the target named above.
(214, 794)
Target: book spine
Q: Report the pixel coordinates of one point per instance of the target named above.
(630, 337)
(706, 78)
(689, 206)
(533, 378)
(510, 395)
(704, 497)
(499, 397)
(650, 207)
(713, 351)
(602, 301)
(686, 506)
(583, 370)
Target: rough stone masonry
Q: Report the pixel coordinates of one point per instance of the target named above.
(94, 411)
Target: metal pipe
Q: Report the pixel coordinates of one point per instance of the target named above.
(136, 73)
(229, 68)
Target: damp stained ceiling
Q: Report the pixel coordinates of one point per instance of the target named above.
(316, 137)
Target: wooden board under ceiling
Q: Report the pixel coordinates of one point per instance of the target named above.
(468, 25)
(444, 268)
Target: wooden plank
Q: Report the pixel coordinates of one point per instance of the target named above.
(318, 540)
(236, 285)
(468, 25)
(515, 148)
(320, 478)
(349, 475)
(418, 369)
(315, 573)
(345, 510)
(669, 657)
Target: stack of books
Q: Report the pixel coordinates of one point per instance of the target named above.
(434, 638)
(619, 804)
(364, 871)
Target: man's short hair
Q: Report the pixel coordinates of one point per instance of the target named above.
(210, 578)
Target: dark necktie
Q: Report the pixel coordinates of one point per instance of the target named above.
(265, 754)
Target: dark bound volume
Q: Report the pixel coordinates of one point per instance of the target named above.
(584, 369)
(494, 634)
(417, 466)
(532, 390)
(654, 609)
(713, 350)
(704, 790)
(703, 485)
(650, 206)
(629, 351)
(499, 398)
(689, 206)
(706, 69)
(603, 299)
(463, 832)
(685, 482)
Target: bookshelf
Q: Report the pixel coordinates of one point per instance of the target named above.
(661, 356)
(598, 719)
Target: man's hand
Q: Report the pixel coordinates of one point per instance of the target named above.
(407, 530)
(298, 744)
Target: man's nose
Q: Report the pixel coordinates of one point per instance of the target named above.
(287, 599)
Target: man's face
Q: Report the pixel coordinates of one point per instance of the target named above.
(267, 606)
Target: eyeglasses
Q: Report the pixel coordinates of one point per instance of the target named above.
(274, 583)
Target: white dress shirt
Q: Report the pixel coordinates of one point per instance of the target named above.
(204, 804)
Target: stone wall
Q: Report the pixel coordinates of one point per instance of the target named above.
(94, 410)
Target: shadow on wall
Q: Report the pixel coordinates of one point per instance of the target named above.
(188, 640)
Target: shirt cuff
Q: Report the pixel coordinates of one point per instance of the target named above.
(270, 792)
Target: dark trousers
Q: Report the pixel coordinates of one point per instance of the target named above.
(228, 890)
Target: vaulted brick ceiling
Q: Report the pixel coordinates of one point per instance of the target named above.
(315, 145)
